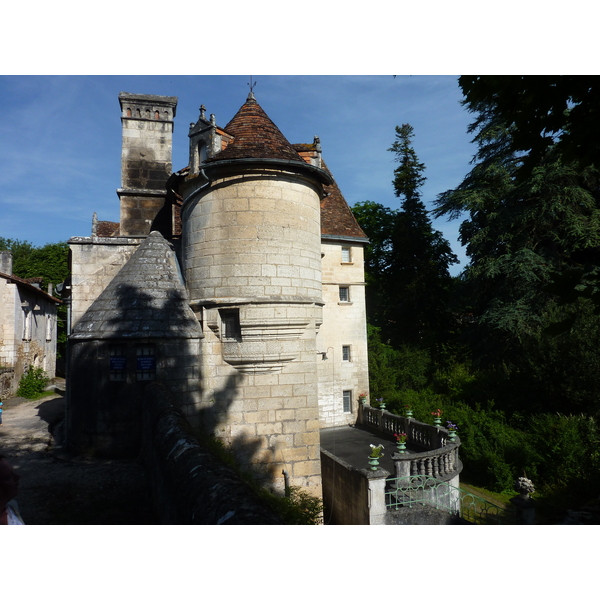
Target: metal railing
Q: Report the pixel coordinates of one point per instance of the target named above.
(415, 491)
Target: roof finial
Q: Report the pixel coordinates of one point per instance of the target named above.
(202, 111)
(251, 94)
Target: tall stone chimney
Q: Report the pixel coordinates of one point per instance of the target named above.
(6, 262)
(146, 158)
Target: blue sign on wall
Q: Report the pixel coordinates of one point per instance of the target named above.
(146, 363)
(118, 363)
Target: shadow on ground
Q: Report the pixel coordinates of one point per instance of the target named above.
(56, 489)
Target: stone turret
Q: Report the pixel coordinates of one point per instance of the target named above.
(252, 262)
(146, 163)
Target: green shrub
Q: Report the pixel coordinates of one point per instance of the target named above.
(33, 383)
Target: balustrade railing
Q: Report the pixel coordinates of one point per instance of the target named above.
(427, 437)
(434, 453)
(440, 463)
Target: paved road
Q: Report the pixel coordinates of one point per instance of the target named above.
(55, 489)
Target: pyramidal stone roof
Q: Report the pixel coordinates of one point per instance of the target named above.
(255, 136)
(146, 299)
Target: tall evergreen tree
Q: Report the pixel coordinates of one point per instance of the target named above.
(419, 279)
(407, 264)
(522, 227)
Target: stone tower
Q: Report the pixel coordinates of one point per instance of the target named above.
(251, 247)
(146, 163)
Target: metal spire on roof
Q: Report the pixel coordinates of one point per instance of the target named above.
(251, 94)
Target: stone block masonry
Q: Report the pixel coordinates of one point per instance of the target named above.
(189, 485)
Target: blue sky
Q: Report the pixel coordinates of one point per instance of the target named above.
(60, 138)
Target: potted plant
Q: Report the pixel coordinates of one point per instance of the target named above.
(408, 410)
(375, 455)
(437, 417)
(452, 429)
(524, 487)
(401, 442)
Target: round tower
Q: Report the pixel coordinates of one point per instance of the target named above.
(251, 249)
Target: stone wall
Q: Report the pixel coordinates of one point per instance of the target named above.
(27, 331)
(344, 324)
(94, 263)
(189, 485)
(345, 492)
(252, 264)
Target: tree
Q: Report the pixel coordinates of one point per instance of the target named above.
(543, 111)
(523, 227)
(50, 262)
(415, 279)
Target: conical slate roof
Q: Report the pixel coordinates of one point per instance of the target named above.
(146, 299)
(255, 136)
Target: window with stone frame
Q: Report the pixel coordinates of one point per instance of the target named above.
(346, 254)
(117, 356)
(344, 294)
(230, 324)
(346, 354)
(145, 367)
(347, 401)
(27, 315)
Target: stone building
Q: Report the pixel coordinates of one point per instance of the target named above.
(27, 327)
(236, 282)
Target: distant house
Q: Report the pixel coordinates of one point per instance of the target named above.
(27, 327)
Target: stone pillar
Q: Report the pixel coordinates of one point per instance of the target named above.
(377, 508)
(525, 509)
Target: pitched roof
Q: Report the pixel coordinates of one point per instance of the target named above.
(28, 285)
(337, 219)
(146, 299)
(255, 136)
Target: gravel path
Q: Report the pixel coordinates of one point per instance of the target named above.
(56, 489)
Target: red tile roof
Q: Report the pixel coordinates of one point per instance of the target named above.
(255, 136)
(336, 217)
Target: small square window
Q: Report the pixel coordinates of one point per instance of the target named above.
(347, 401)
(230, 319)
(145, 363)
(346, 255)
(344, 294)
(346, 353)
(118, 363)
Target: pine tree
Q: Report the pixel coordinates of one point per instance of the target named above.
(407, 262)
(418, 276)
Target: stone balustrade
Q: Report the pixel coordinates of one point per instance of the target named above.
(434, 453)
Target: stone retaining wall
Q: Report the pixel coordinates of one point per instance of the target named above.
(189, 485)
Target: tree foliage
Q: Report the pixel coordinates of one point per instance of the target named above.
(542, 111)
(51, 262)
(520, 232)
(407, 261)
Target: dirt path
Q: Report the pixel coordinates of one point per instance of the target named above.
(56, 489)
